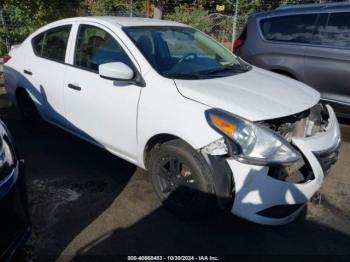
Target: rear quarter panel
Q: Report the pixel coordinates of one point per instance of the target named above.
(12, 71)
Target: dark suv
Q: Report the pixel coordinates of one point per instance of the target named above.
(310, 43)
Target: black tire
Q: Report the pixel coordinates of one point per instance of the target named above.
(28, 111)
(182, 180)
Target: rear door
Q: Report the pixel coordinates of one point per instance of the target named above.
(284, 46)
(327, 61)
(45, 72)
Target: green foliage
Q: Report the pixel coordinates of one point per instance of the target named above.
(97, 7)
(195, 17)
(24, 16)
(114, 7)
(218, 26)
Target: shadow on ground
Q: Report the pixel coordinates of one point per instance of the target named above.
(70, 183)
(222, 235)
(89, 205)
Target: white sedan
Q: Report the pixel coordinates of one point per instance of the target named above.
(213, 131)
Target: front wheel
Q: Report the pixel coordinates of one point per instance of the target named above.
(182, 180)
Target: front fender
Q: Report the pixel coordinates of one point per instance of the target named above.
(163, 110)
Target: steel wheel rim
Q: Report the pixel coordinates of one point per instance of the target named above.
(176, 181)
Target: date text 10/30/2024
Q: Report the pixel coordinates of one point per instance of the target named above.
(173, 258)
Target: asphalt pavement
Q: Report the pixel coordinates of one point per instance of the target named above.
(85, 201)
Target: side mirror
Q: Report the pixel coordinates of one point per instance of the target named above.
(116, 71)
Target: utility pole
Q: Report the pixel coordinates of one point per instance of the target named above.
(131, 8)
(234, 23)
(148, 6)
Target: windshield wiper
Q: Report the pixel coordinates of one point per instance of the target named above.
(236, 69)
(184, 76)
(209, 73)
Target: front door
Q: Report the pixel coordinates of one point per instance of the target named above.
(101, 110)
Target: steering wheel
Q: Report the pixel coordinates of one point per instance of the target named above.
(187, 56)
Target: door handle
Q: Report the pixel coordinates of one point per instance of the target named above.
(27, 72)
(78, 88)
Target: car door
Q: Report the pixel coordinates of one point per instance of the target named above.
(327, 62)
(284, 46)
(45, 70)
(100, 110)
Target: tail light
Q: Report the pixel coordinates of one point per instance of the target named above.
(237, 44)
(5, 59)
(241, 39)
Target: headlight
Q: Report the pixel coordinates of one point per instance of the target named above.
(252, 142)
(7, 160)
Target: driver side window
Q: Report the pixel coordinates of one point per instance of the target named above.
(95, 46)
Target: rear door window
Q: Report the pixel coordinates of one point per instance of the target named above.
(291, 28)
(52, 44)
(335, 31)
(38, 43)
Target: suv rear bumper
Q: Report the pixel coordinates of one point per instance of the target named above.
(263, 199)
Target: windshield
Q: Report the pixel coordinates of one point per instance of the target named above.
(184, 53)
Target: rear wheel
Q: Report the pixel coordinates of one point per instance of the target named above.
(181, 178)
(28, 111)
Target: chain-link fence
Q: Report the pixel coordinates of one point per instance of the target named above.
(224, 20)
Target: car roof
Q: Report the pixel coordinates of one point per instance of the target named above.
(305, 8)
(113, 21)
(315, 6)
(124, 21)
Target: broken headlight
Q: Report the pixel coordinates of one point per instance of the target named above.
(251, 142)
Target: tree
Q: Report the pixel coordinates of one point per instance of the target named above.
(168, 6)
(24, 16)
(196, 17)
(105, 7)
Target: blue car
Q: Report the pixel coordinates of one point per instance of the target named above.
(14, 216)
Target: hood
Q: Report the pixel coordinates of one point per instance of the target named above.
(255, 95)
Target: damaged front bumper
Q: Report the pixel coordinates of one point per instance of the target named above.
(261, 198)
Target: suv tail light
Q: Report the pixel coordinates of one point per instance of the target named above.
(5, 59)
(241, 39)
(237, 44)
